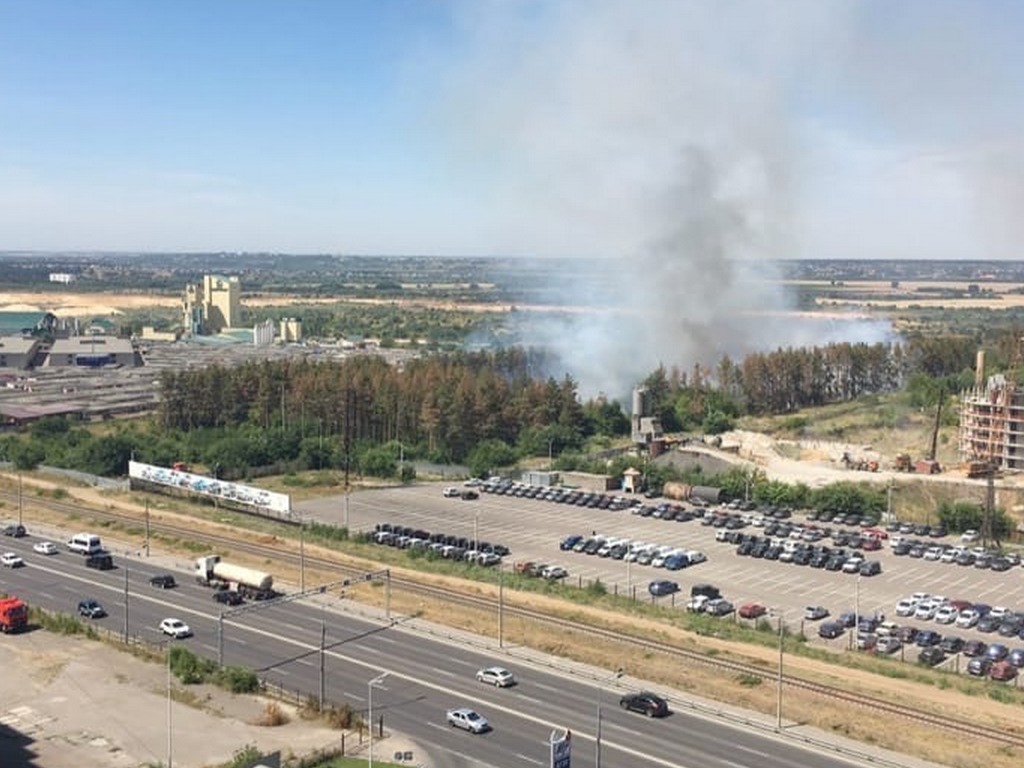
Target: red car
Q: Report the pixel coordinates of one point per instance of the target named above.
(752, 610)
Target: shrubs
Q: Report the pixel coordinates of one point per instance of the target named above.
(192, 670)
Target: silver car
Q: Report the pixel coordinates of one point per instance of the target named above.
(496, 676)
(467, 720)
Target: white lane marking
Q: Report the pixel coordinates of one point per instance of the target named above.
(528, 759)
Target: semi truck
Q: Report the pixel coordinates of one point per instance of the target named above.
(13, 614)
(211, 571)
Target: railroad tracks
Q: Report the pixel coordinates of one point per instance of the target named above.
(1005, 737)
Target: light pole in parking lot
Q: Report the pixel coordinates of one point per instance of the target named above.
(377, 682)
(20, 506)
(856, 612)
(600, 691)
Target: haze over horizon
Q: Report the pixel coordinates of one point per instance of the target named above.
(798, 129)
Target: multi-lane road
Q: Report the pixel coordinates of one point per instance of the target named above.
(425, 676)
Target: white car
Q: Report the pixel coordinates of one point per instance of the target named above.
(45, 548)
(467, 720)
(926, 610)
(968, 618)
(554, 572)
(451, 492)
(695, 556)
(946, 614)
(176, 628)
(969, 535)
(906, 606)
(11, 560)
(496, 676)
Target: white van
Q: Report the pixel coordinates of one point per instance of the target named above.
(85, 544)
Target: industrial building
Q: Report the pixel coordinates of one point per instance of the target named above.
(646, 431)
(992, 421)
(92, 351)
(212, 306)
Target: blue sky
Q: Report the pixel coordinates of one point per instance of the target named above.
(730, 130)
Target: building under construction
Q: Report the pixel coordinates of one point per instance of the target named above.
(992, 421)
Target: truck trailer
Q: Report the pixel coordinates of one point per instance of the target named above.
(211, 571)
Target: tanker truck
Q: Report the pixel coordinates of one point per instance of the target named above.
(211, 571)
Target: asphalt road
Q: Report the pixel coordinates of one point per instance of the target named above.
(426, 676)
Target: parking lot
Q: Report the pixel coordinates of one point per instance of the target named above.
(532, 528)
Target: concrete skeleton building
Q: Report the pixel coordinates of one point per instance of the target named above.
(992, 420)
(212, 306)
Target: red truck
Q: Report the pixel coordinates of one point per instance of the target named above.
(13, 614)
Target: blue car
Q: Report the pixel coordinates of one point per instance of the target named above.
(569, 542)
(676, 562)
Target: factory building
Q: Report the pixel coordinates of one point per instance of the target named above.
(91, 352)
(291, 330)
(992, 421)
(212, 306)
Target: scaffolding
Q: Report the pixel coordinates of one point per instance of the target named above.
(992, 424)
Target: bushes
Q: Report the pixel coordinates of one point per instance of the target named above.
(192, 670)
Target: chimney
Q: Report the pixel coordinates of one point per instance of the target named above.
(979, 369)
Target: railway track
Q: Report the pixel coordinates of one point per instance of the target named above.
(1010, 738)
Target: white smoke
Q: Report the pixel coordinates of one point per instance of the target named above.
(688, 142)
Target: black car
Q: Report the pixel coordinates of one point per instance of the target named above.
(831, 629)
(227, 597)
(646, 703)
(662, 587)
(164, 581)
(91, 609)
(101, 561)
(17, 530)
(931, 656)
(952, 644)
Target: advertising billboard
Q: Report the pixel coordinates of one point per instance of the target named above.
(277, 504)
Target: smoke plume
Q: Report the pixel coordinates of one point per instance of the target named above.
(679, 149)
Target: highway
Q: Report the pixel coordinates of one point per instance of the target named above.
(425, 676)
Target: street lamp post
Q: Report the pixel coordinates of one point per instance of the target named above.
(375, 683)
(778, 702)
(20, 506)
(170, 701)
(501, 604)
(856, 611)
(597, 738)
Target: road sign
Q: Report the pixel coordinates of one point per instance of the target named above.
(561, 748)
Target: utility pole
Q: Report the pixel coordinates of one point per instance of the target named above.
(323, 648)
(501, 604)
(147, 527)
(126, 606)
(20, 504)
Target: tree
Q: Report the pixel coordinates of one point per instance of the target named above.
(489, 456)
(25, 454)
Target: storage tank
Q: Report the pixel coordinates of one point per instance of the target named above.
(211, 568)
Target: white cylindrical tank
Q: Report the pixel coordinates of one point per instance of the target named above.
(242, 575)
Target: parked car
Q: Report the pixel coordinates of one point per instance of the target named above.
(91, 609)
(979, 666)
(499, 677)
(927, 638)
(974, 648)
(931, 656)
(1003, 671)
(952, 644)
(752, 611)
(45, 548)
(17, 530)
(569, 542)
(163, 580)
(451, 492)
(662, 587)
(646, 703)
(467, 720)
(888, 644)
(831, 629)
(718, 607)
(815, 612)
(176, 628)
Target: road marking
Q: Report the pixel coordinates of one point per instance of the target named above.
(528, 759)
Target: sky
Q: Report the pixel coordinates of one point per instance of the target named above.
(726, 131)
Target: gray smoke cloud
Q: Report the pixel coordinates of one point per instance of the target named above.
(690, 143)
